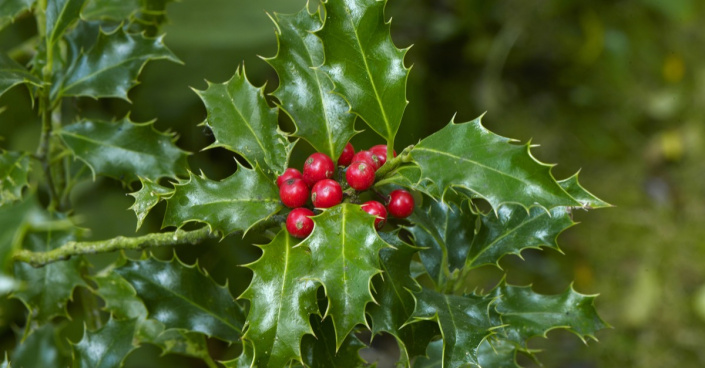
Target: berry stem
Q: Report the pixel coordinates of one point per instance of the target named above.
(393, 163)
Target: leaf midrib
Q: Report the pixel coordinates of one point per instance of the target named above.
(242, 117)
(513, 230)
(105, 143)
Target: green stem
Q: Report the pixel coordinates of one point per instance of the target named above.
(392, 164)
(209, 361)
(66, 251)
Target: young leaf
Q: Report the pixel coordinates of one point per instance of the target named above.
(587, 199)
(181, 296)
(395, 304)
(243, 122)
(125, 150)
(527, 314)
(365, 66)
(147, 197)
(14, 169)
(107, 347)
(345, 252)
(321, 117)
(111, 66)
(59, 16)
(42, 348)
(488, 166)
(49, 288)
(446, 230)
(280, 302)
(512, 230)
(232, 204)
(12, 74)
(323, 351)
(9, 9)
(463, 320)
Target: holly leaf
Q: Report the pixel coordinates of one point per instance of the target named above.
(106, 347)
(321, 117)
(147, 197)
(513, 229)
(497, 352)
(395, 304)
(110, 67)
(345, 253)
(587, 199)
(488, 166)
(446, 231)
(181, 296)
(125, 150)
(14, 220)
(233, 204)
(10, 9)
(60, 14)
(246, 358)
(42, 348)
(281, 301)
(525, 313)
(463, 320)
(12, 73)
(363, 63)
(324, 350)
(49, 288)
(119, 296)
(243, 122)
(109, 9)
(14, 169)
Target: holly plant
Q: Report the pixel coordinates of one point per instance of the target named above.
(357, 240)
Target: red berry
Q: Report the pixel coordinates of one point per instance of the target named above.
(298, 223)
(289, 173)
(360, 175)
(317, 167)
(326, 193)
(293, 193)
(346, 157)
(369, 157)
(380, 151)
(401, 203)
(377, 209)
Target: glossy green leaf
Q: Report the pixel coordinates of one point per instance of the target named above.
(246, 358)
(12, 74)
(321, 117)
(433, 358)
(181, 296)
(147, 197)
(447, 231)
(60, 14)
(119, 296)
(363, 63)
(513, 229)
(43, 347)
(14, 168)
(463, 320)
(233, 204)
(323, 351)
(488, 166)
(109, 9)
(106, 347)
(527, 314)
(111, 66)
(125, 150)
(500, 353)
(9, 9)
(47, 289)
(14, 221)
(243, 122)
(281, 300)
(587, 199)
(395, 304)
(345, 252)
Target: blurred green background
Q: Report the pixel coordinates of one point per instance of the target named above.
(613, 88)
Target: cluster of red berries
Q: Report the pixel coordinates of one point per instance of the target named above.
(326, 192)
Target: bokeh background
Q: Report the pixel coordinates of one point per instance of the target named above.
(615, 88)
